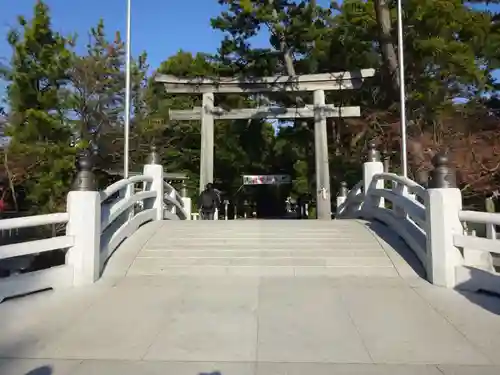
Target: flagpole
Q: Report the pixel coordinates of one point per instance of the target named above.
(127, 98)
(402, 93)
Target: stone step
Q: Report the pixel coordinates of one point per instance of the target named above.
(264, 253)
(259, 224)
(268, 236)
(256, 243)
(265, 239)
(264, 271)
(265, 221)
(263, 248)
(303, 241)
(268, 232)
(258, 247)
(268, 227)
(160, 262)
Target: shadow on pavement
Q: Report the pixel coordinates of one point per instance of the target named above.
(398, 245)
(472, 289)
(42, 370)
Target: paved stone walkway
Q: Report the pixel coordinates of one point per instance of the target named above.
(243, 325)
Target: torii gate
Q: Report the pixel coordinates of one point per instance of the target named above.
(317, 83)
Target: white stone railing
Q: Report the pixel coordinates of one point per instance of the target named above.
(133, 207)
(96, 224)
(404, 214)
(396, 206)
(351, 203)
(176, 207)
(478, 270)
(431, 222)
(58, 276)
(490, 243)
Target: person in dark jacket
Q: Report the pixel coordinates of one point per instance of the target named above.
(208, 202)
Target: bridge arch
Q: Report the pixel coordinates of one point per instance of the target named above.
(97, 223)
(430, 220)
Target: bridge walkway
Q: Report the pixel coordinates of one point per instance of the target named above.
(193, 314)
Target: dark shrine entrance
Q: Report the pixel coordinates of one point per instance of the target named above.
(260, 197)
(269, 193)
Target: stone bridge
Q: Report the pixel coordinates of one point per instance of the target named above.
(395, 284)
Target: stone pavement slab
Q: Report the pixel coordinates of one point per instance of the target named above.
(163, 368)
(303, 320)
(28, 324)
(343, 369)
(251, 325)
(207, 336)
(120, 325)
(475, 315)
(216, 320)
(124, 367)
(468, 370)
(255, 320)
(398, 326)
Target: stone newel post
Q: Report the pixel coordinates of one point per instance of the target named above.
(341, 198)
(84, 225)
(442, 205)
(371, 167)
(187, 201)
(155, 170)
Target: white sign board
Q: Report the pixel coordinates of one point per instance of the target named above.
(270, 179)
(4, 142)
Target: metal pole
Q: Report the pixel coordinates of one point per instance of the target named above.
(402, 94)
(127, 98)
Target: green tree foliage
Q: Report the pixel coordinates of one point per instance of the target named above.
(39, 69)
(40, 135)
(178, 141)
(451, 51)
(96, 95)
(294, 29)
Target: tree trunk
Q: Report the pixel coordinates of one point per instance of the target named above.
(287, 56)
(10, 177)
(383, 15)
(285, 50)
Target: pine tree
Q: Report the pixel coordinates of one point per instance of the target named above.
(39, 152)
(97, 94)
(39, 69)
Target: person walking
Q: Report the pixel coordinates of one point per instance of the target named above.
(208, 202)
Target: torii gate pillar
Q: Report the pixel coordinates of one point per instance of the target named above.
(207, 141)
(323, 205)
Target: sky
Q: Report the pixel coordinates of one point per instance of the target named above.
(160, 27)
